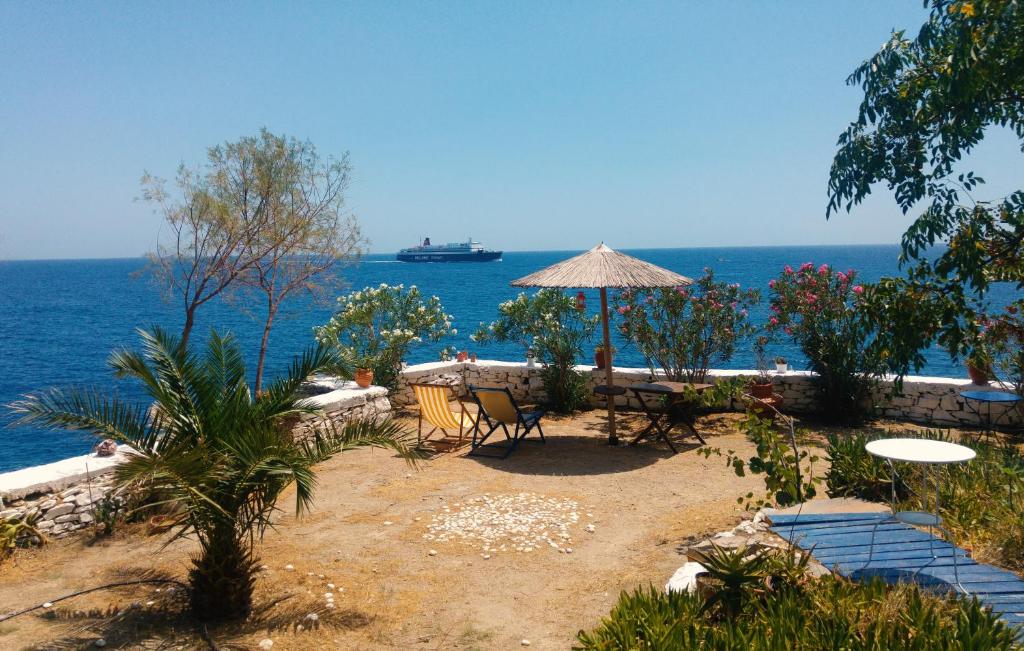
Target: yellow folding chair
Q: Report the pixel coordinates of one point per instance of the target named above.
(436, 409)
(497, 408)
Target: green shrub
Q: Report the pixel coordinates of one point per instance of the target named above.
(981, 501)
(827, 613)
(376, 327)
(682, 331)
(554, 327)
(788, 471)
(819, 310)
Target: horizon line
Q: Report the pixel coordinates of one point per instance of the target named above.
(504, 251)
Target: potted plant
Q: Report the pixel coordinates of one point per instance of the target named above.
(761, 385)
(601, 358)
(529, 358)
(979, 365)
(781, 365)
(363, 374)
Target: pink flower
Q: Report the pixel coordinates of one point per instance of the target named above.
(771, 283)
(841, 276)
(773, 321)
(858, 290)
(822, 270)
(743, 313)
(807, 266)
(788, 330)
(788, 269)
(623, 309)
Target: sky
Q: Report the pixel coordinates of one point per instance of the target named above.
(526, 125)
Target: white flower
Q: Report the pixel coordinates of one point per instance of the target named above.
(455, 331)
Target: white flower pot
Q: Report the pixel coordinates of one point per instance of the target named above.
(781, 368)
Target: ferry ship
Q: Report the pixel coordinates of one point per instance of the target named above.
(468, 251)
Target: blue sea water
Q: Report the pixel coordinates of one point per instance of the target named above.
(59, 320)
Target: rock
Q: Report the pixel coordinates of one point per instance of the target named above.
(432, 552)
(524, 642)
(105, 448)
(59, 510)
(99, 643)
(330, 586)
(85, 518)
(83, 500)
(70, 517)
(685, 578)
(44, 525)
(289, 568)
(266, 643)
(47, 605)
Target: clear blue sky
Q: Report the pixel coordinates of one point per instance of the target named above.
(527, 125)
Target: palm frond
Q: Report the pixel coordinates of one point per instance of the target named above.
(89, 411)
(279, 398)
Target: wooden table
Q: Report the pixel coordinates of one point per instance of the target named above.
(674, 392)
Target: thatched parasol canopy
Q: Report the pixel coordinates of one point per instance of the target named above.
(600, 268)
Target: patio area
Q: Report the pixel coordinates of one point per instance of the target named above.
(634, 507)
(466, 551)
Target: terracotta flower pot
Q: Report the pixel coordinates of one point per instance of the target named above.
(762, 391)
(977, 375)
(599, 359)
(364, 377)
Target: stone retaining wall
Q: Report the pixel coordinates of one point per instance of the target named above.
(63, 495)
(926, 400)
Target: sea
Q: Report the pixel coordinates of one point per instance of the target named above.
(60, 319)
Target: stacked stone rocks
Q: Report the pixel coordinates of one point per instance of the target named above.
(341, 405)
(926, 400)
(60, 513)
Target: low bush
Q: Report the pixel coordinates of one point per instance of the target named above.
(982, 502)
(554, 327)
(376, 327)
(819, 310)
(766, 601)
(788, 470)
(682, 331)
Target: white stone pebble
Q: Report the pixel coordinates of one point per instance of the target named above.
(388, 523)
(266, 643)
(432, 552)
(47, 605)
(525, 642)
(289, 568)
(523, 521)
(330, 586)
(99, 643)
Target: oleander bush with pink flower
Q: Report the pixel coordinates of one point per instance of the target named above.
(683, 330)
(818, 308)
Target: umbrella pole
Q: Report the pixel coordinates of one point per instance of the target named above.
(612, 438)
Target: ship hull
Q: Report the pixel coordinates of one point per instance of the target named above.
(435, 256)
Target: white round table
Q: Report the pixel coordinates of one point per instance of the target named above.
(929, 453)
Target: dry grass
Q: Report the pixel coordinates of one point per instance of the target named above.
(644, 502)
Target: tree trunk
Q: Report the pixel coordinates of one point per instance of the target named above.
(190, 321)
(222, 578)
(271, 312)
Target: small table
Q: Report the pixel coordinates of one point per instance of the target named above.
(675, 391)
(975, 397)
(930, 454)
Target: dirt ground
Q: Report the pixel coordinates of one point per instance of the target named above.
(644, 503)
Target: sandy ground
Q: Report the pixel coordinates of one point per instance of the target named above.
(644, 503)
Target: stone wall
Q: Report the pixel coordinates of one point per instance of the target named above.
(62, 495)
(344, 401)
(926, 400)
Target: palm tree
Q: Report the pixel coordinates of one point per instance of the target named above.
(216, 455)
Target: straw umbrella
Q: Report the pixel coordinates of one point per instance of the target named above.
(601, 268)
